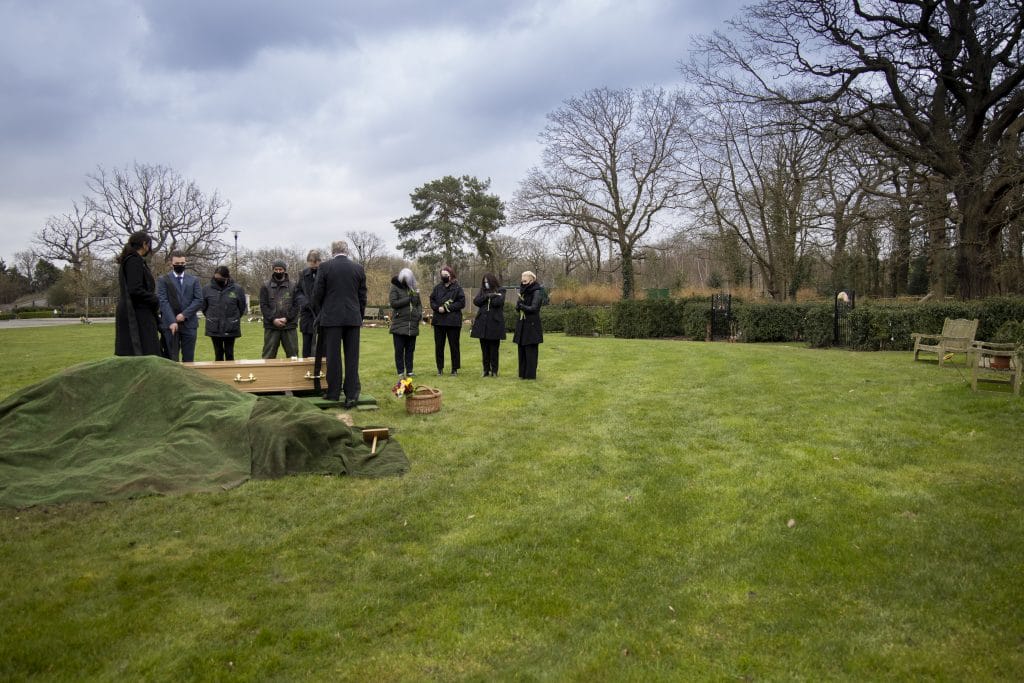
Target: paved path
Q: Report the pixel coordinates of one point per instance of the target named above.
(47, 322)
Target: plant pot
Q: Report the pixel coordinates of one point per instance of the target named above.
(999, 362)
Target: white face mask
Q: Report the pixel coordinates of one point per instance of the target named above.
(487, 285)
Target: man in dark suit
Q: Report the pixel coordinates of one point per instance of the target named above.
(339, 297)
(180, 298)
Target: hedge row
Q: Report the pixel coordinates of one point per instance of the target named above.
(873, 326)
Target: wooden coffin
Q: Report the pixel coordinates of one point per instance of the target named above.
(263, 376)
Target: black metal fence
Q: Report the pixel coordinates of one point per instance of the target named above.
(845, 302)
(721, 326)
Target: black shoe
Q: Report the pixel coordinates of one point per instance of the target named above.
(439, 373)
(455, 373)
(486, 374)
(328, 398)
(350, 403)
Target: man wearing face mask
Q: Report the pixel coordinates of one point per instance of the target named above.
(304, 293)
(280, 310)
(447, 301)
(180, 297)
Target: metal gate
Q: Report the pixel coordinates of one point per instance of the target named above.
(721, 326)
(845, 302)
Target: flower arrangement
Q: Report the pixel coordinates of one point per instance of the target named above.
(403, 387)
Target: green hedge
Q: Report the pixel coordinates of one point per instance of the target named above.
(25, 315)
(873, 326)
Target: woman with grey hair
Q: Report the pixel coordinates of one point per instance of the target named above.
(406, 314)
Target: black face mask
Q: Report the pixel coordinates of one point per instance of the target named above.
(179, 269)
(278, 276)
(313, 271)
(219, 281)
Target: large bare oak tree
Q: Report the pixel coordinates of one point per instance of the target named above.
(938, 82)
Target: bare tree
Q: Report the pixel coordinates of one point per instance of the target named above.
(174, 211)
(758, 177)
(938, 82)
(370, 248)
(73, 235)
(25, 262)
(610, 168)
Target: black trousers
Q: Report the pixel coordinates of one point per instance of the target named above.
(528, 361)
(223, 348)
(307, 344)
(405, 348)
(335, 340)
(452, 335)
(490, 350)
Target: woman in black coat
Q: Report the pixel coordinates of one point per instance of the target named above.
(136, 332)
(529, 334)
(223, 308)
(406, 314)
(446, 302)
(489, 324)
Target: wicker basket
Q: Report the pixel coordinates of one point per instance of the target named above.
(423, 400)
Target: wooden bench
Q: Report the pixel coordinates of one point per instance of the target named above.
(984, 359)
(956, 337)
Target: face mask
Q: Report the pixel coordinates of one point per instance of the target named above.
(487, 285)
(446, 277)
(219, 280)
(278, 276)
(179, 269)
(524, 283)
(313, 271)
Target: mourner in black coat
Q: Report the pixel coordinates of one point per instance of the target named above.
(136, 332)
(304, 294)
(223, 308)
(446, 302)
(406, 314)
(529, 334)
(339, 298)
(489, 324)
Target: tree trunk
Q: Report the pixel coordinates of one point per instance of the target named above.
(627, 272)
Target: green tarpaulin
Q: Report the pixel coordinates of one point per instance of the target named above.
(125, 427)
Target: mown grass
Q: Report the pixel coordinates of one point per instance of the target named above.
(625, 517)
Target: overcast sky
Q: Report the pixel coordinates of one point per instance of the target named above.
(311, 117)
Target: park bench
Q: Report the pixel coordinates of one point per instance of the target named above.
(956, 337)
(984, 359)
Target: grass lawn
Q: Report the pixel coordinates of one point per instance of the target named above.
(646, 510)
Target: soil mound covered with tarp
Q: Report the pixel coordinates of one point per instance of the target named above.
(125, 427)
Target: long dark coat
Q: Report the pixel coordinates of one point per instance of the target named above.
(339, 293)
(528, 327)
(304, 296)
(406, 309)
(490, 315)
(136, 332)
(223, 308)
(452, 294)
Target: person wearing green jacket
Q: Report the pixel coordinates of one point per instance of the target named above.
(406, 314)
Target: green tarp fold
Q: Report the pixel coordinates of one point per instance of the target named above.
(125, 427)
